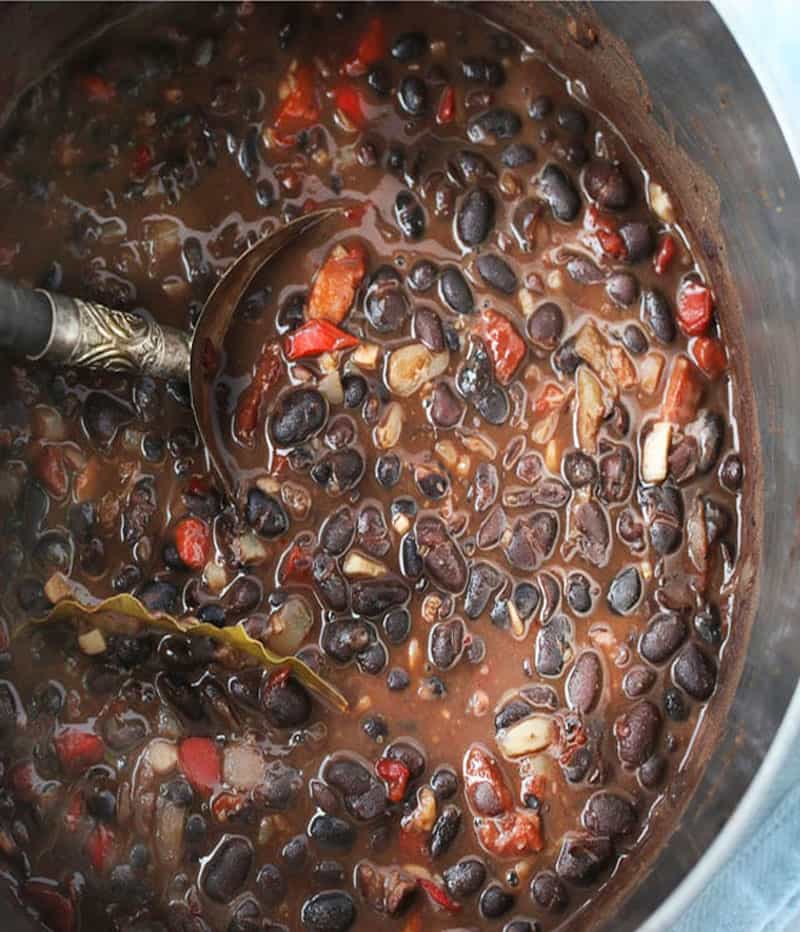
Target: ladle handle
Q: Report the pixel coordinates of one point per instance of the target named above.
(73, 332)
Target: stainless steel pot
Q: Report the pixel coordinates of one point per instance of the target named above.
(699, 109)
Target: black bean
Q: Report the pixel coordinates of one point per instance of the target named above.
(299, 414)
(585, 682)
(625, 591)
(444, 783)
(265, 514)
(559, 193)
(707, 625)
(409, 753)
(731, 472)
(572, 120)
(566, 359)
(329, 911)
(465, 877)
(445, 409)
(609, 814)
(380, 80)
(355, 390)
(409, 45)
(413, 95)
(638, 681)
(546, 325)
(409, 215)
(664, 634)
(159, 596)
(398, 680)
(653, 771)
(444, 831)
(375, 597)
(286, 704)
(330, 832)
(103, 416)
(636, 732)
(493, 405)
(497, 273)
(484, 580)
(657, 317)
(607, 185)
(695, 672)
(226, 870)
(455, 292)
(495, 901)
(432, 483)
(373, 659)
(445, 643)
(493, 124)
(540, 107)
(337, 532)
(295, 854)
(427, 328)
(583, 858)
(388, 469)
(549, 892)
(483, 71)
(552, 643)
(639, 240)
(517, 154)
(411, 564)
(385, 305)
(475, 217)
(675, 705)
(579, 593)
(422, 275)
(622, 288)
(397, 626)
(583, 271)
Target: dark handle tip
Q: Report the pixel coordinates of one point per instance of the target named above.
(26, 319)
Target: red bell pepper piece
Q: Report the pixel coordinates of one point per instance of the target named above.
(664, 254)
(484, 783)
(56, 911)
(226, 805)
(100, 847)
(370, 49)
(513, 834)
(267, 374)
(199, 761)
(394, 774)
(295, 567)
(505, 345)
(550, 399)
(683, 393)
(317, 337)
(97, 89)
(348, 100)
(612, 244)
(695, 306)
(299, 108)
(709, 354)
(142, 159)
(439, 897)
(77, 750)
(337, 281)
(193, 542)
(447, 106)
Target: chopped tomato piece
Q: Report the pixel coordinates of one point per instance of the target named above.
(335, 286)
(594, 220)
(484, 784)
(78, 749)
(52, 471)
(317, 337)
(355, 214)
(447, 106)
(370, 49)
(97, 89)
(664, 254)
(505, 345)
(296, 564)
(683, 393)
(56, 911)
(394, 774)
(142, 159)
(439, 897)
(226, 805)
(549, 399)
(100, 847)
(612, 244)
(348, 100)
(268, 371)
(193, 541)
(199, 761)
(709, 354)
(299, 108)
(695, 306)
(513, 834)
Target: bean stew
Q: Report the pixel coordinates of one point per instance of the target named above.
(489, 484)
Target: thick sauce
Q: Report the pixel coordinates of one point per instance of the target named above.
(488, 484)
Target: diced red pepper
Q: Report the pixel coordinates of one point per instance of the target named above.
(513, 834)
(505, 345)
(594, 220)
(295, 567)
(317, 337)
(370, 49)
(484, 784)
(664, 254)
(97, 89)
(612, 244)
(199, 760)
(355, 214)
(193, 542)
(267, 374)
(549, 399)
(695, 306)
(299, 108)
(56, 911)
(447, 106)
(100, 847)
(77, 750)
(683, 393)
(348, 100)
(337, 281)
(438, 896)
(394, 774)
(709, 354)
(142, 159)
(226, 805)
(52, 471)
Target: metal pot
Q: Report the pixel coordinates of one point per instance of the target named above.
(701, 118)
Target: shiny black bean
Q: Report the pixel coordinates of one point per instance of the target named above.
(639, 240)
(664, 634)
(493, 124)
(625, 591)
(583, 858)
(546, 325)
(413, 95)
(265, 514)
(409, 215)
(607, 185)
(657, 316)
(609, 815)
(497, 273)
(299, 414)
(517, 154)
(329, 911)
(483, 71)
(464, 878)
(622, 288)
(559, 193)
(695, 672)
(493, 404)
(475, 217)
(422, 276)
(409, 45)
(225, 872)
(455, 292)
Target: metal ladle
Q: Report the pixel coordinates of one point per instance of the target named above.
(84, 334)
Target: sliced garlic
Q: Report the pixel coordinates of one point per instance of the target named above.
(92, 642)
(357, 564)
(526, 737)
(650, 371)
(661, 203)
(366, 355)
(410, 367)
(655, 453)
(390, 426)
(331, 387)
(215, 577)
(591, 409)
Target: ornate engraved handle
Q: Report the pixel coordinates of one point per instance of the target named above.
(84, 333)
